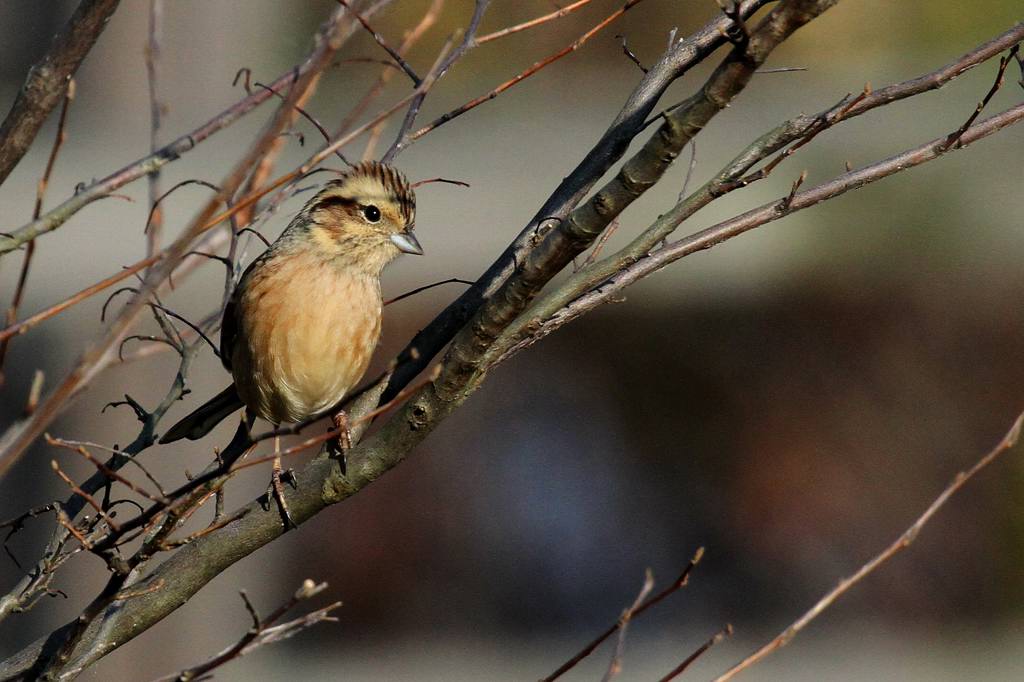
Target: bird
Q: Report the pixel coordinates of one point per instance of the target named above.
(305, 317)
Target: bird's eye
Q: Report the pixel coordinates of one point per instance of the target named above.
(371, 213)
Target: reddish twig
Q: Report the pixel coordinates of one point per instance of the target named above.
(557, 14)
(85, 496)
(44, 181)
(80, 449)
(550, 59)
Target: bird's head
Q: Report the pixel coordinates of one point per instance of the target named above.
(365, 217)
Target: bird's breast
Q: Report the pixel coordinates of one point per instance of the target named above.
(308, 331)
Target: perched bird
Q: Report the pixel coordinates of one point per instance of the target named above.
(305, 317)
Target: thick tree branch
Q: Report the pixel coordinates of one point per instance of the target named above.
(558, 241)
(612, 145)
(48, 80)
(539, 253)
(735, 175)
(717, 234)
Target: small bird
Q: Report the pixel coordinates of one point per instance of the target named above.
(304, 319)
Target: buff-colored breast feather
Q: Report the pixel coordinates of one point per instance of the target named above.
(309, 327)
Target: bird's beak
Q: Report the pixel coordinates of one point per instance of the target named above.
(407, 243)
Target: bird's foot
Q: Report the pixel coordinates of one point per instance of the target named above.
(278, 477)
(340, 445)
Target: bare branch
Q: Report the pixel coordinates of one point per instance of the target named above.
(156, 107)
(44, 181)
(615, 666)
(679, 583)
(557, 14)
(264, 631)
(734, 176)
(172, 151)
(901, 543)
(757, 217)
(48, 78)
(689, 660)
(521, 76)
(379, 39)
(682, 56)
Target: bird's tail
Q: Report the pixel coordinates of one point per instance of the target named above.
(201, 421)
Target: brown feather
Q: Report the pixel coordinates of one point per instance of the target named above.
(304, 320)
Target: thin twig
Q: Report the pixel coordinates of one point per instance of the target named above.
(680, 582)
(557, 14)
(901, 543)
(441, 68)
(379, 39)
(537, 66)
(80, 449)
(86, 496)
(428, 19)
(44, 181)
(954, 138)
(615, 666)
(417, 290)
(263, 631)
(152, 57)
(629, 53)
(689, 660)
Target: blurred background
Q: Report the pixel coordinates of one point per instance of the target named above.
(790, 400)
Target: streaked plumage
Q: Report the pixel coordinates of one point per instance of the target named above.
(303, 322)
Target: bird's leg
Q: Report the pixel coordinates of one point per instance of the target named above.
(340, 446)
(276, 489)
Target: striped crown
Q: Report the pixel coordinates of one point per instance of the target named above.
(372, 179)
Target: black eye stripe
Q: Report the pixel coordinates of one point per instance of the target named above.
(395, 192)
(334, 200)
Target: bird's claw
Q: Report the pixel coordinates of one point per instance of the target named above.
(276, 490)
(340, 445)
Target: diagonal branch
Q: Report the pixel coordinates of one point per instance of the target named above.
(736, 175)
(900, 544)
(57, 216)
(558, 240)
(48, 78)
(612, 145)
(717, 234)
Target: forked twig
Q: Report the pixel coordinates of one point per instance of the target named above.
(679, 583)
(1004, 61)
(263, 631)
(615, 665)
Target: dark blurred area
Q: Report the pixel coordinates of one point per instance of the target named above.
(791, 400)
